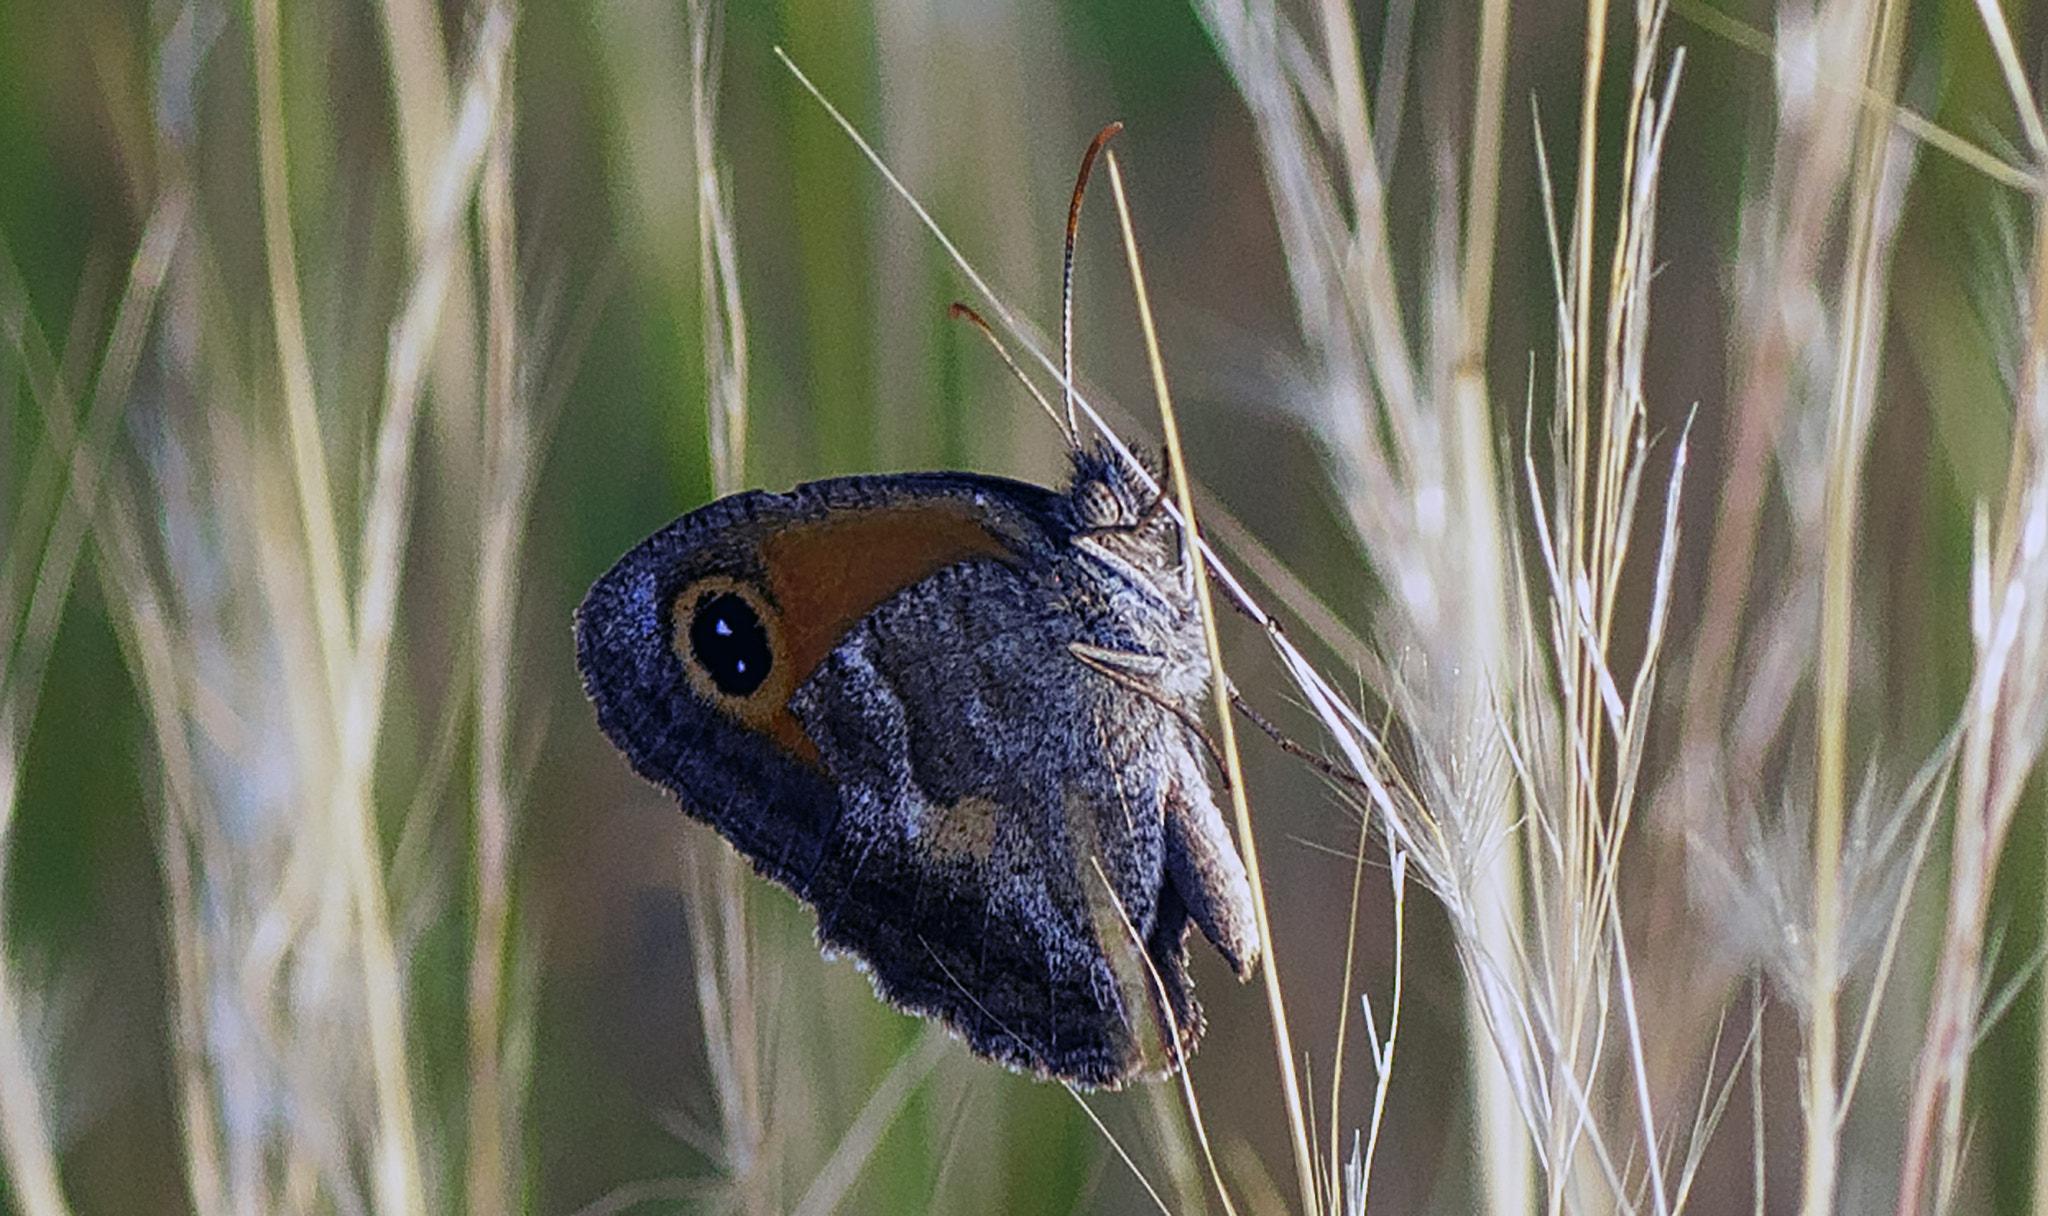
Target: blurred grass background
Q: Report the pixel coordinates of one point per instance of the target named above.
(983, 108)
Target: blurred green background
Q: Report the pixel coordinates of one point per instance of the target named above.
(984, 109)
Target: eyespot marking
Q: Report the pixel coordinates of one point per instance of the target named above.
(729, 641)
(735, 651)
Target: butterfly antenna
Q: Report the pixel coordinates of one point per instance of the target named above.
(961, 312)
(1067, 275)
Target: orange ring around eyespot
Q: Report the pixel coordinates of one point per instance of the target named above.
(758, 708)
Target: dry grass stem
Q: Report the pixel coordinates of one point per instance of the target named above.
(1357, 1178)
(508, 472)
(857, 1144)
(1226, 722)
(1116, 1146)
(1853, 396)
(2004, 723)
(716, 895)
(230, 588)
(1151, 990)
(725, 330)
(1333, 1162)
(421, 91)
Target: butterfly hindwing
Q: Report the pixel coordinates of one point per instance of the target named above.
(988, 816)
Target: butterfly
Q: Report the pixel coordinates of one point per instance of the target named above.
(958, 716)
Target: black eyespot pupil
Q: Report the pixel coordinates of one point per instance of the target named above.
(727, 637)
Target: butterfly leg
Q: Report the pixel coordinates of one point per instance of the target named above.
(1203, 866)
(1133, 669)
(1139, 673)
(1201, 860)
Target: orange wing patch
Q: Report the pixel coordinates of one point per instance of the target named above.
(821, 579)
(828, 575)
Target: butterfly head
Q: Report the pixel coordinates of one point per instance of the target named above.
(1121, 518)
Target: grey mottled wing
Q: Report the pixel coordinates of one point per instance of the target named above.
(984, 774)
